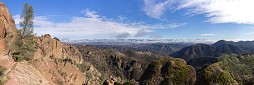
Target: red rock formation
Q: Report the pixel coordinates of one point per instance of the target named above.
(7, 29)
(56, 61)
(53, 63)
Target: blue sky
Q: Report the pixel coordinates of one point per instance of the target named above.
(149, 19)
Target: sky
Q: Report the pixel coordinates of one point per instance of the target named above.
(140, 19)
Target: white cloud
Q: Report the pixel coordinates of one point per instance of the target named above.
(207, 34)
(16, 18)
(224, 11)
(154, 9)
(250, 33)
(166, 26)
(217, 11)
(42, 21)
(93, 25)
(91, 13)
(38, 21)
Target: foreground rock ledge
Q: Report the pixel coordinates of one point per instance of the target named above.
(168, 71)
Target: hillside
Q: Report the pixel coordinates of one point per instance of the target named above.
(231, 69)
(248, 46)
(125, 65)
(203, 50)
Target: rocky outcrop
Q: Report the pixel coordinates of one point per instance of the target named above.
(54, 63)
(169, 71)
(215, 75)
(93, 76)
(57, 61)
(7, 29)
(134, 70)
(53, 48)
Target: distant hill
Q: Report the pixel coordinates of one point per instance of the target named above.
(247, 46)
(203, 50)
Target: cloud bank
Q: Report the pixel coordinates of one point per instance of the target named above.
(92, 25)
(216, 11)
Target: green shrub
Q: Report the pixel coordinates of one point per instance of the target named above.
(2, 69)
(3, 78)
(23, 48)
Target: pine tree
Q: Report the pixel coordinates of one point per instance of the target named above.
(27, 21)
(24, 46)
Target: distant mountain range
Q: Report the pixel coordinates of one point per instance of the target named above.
(214, 50)
(247, 46)
(135, 41)
(202, 55)
(162, 46)
(179, 48)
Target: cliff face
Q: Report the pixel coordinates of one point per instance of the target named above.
(7, 29)
(7, 32)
